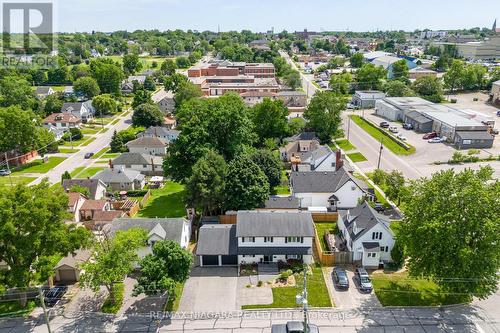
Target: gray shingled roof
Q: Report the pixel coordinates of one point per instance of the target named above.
(418, 117)
(90, 184)
(215, 239)
(282, 203)
(173, 227)
(155, 131)
(323, 182)
(274, 224)
(146, 142)
(317, 156)
(474, 135)
(365, 217)
(136, 159)
(118, 175)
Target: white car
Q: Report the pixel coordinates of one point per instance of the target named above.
(393, 129)
(436, 140)
(400, 136)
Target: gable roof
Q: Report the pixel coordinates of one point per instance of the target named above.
(137, 159)
(94, 204)
(275, 202)
(61, 118)
(365, 218)
(167, 228)
(316, 156)
(106, 215)
(323, 182)
(42, 90)
(159, 131)
(73, 261)
(146, 142)
(215, 239)
(274, 224)
(70, 107)
(118, 175)
(73, 198)
(303, 136)
(90, 184)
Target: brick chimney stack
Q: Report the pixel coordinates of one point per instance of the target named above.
(339, 162)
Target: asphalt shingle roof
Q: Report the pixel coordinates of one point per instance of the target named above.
(173, 227)
(365, 218)
(274, 224)
(282, 203)
(146, 142)
(90, 184)
(118, 175)
(136, 159)
(323, 182)
(215, 239)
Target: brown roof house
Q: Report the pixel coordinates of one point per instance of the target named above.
(91, 207)
(67, 269)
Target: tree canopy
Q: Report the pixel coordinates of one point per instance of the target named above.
(270, 120)
(104, 104)
(86, 86)
(108, 75)
(369, 76)
(323, 114)
(429, 87)
(147, 115)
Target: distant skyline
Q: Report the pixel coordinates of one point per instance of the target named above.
(263, 15)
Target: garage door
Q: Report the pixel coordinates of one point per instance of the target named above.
(229, 260)
(67, 275)
(210, 260)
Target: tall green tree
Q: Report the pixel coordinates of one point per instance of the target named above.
(356, 60)
(323, 114)
(52, 104)
(246, 184)
(395, 182)
(270, 120)
(104, 104)
(108, 75)
(86, 86)
(429, 87)
(15, 90)
(141, 96)
(454, 77)
(205, 187)
(168, 67)
(400, 70)
(292, 79)
(339, 83)
(131, 63)
(270, 164)
(369, 76)
(397, 88)
(147, 115)
(18, 128)
(162, 270)
(33, 233)
(185, 91)
(451, 230)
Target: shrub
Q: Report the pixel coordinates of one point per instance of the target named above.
(473, 151)
(260, 283)
(137, 193)
(397, 254)
(283, 277)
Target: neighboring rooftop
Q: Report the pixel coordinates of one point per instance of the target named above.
(276, 202)
(146, 142)
(323, 182)
(90, 184)
(169, 228)
(118, 175)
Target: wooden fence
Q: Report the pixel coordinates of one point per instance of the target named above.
(227, 219)
(325, 217)
(145, 199)
(329, 258)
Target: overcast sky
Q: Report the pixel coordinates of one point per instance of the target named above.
(262, 15)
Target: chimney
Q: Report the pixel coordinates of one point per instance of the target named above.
(110, 162)
(338, 160)
(152, 165)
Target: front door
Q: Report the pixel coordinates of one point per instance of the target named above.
(268, 258)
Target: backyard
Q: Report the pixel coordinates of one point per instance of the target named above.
(323, 227)
(283, 188)
(284, 297)
(398, 289)
(165, 202)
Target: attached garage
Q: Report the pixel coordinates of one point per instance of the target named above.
(217, 245)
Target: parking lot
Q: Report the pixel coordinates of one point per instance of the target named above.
(351, 298)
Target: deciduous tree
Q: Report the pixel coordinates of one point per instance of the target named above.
(323, 114)
(147, 115)
(270, 119)
(86, 86)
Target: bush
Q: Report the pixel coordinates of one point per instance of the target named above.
(260, 283)
(283, 277)
(397, 254)
(137, 193)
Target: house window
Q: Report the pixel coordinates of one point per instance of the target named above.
(376, 235)
(294, 239)
(386, 249)
(371, 255)
(249, 256)
(144, 166)
(248, 239)
(382, 249)
(293, 256)
(268, 239)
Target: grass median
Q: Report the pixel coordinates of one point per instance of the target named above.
(379, 135)
(357, 157)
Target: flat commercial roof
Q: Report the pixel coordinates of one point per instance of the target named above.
(452, 118)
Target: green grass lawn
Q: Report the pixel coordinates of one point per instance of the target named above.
(165, 202)
(344, 144)
(283, 188)
(173, 303)
(89, 172)
(100, 153)
(115, 121)
(5, 181)
(114, 307)
(378, 135)
(38, 166)
(110, 155)
(67, 150)
(357, 157)
(99, 121)
(397, 289)
(77, 171)
(88, 141)
(322, 228)
(76, 143)
(13, 308)
(87, 130)
(285, 297)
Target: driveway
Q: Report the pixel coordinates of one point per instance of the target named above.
(351, 298)
(210, 289)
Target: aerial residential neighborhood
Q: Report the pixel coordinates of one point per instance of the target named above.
(250, 168)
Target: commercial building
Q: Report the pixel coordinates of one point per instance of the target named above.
(387, 62)
(495, 92)
(488, 49)
(366, 99)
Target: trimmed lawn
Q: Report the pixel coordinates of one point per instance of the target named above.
(89, 172)
(38, 166)
(398, 289)
(321, 229)
(378, 135)
(110, 155)
(173, 304)
(357, 157)
(87, 130)
(98, 121)
(77, 143)
(5, 181)
(165, 202)
(100, 153)
(285, 297)
(67, 150)
(89, 141)
(283, 188)
(75, 172)
(344, 144)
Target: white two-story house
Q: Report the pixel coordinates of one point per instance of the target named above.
(148, 145)
(83, 110)
(257, 237)
(329, 189)
(148, 165)
(367, 234)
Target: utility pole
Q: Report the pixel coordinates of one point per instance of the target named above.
(71, 139)
(45, 314)
(348, 127)
(8, 168)
(380, 152)
(302, 299)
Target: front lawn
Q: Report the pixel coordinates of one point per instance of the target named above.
(357, 157)
(100, 153)
(398, 289)
(344, 144)
(76, 172)
(321, 228)
(285, 297)
(68, 150)
(38, 166)
(379, 135)
(165, 202)
(6, 180)
(173, 303)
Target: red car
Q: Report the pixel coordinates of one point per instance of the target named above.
(430, 135)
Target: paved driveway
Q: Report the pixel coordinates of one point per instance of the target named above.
(210, 289)
(351, 298)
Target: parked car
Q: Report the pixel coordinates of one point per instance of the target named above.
(429, 135)
(393, 129)
(54, 295)
(494, 131)
(363, 279)
(4, 172)
(407, 126)
(384, 124)
(379, 207)
(498, 113)
(340, 278)
(88, 155)
(293, 327)
(437, 139)
(350, 106)
(400, 136)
